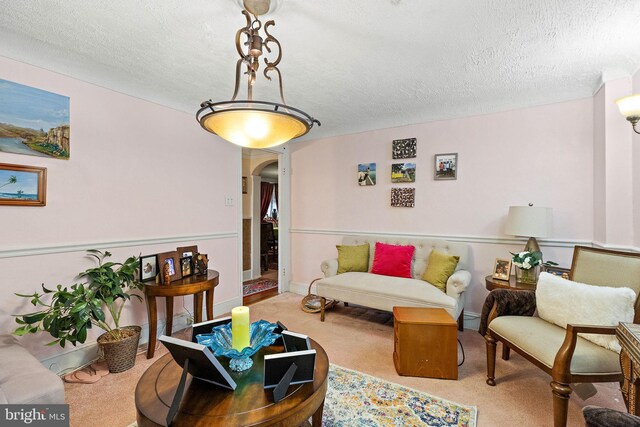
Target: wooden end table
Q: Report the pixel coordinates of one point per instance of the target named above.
(492, 284)
(205, 404)
(192, 285)
(629, 337)
(425, 342)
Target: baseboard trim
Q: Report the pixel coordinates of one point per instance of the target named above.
(453, 238)
(55, 249)
(471, 319)
(74, 358)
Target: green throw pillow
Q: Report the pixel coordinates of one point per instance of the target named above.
(439, 268)
(353, 258)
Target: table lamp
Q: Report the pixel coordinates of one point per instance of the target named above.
(529, 221)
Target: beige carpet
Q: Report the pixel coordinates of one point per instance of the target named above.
(362, 339)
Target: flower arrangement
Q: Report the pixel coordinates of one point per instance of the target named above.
(527, 260)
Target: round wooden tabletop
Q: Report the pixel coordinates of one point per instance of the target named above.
(205, 404)
(491, 283)
(185, 286)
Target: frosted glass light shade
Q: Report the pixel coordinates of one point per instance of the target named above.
(629, 106)
(529, 221)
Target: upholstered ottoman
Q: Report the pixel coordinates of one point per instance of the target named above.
(23, 379)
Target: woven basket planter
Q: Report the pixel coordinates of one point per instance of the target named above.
(120, 355)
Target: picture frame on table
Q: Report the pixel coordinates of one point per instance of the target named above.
(445, 166)
(148, 267)
(23, 185)
(173, 259)
(502, 269)
(185, 251)
(557, 271)
(186, 266)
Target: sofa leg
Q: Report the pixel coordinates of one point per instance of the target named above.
(561, 395)
(491, 359)
(505, 351)
(461, 321)
(323, 302)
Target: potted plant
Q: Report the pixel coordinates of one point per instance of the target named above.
(73, 310)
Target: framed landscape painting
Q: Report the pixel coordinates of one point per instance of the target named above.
(23, 185)
(33, 121)
(403, 172)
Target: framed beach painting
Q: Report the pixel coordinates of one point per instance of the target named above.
(33, 121)
(367, 174)
(23, 185)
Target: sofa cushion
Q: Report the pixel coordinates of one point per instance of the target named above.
(23, 379)
(393, 260)
(439, 268)
(353, 258)
(384, 292)
(542, 340)
(561, 301)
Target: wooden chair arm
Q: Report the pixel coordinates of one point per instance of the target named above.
(562, 363)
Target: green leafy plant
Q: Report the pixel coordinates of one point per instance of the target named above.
(73, 310)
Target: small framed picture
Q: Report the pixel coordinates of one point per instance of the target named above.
(404, 148)
(244, 185)
(186, 266)
(403, 172)
(23, 185)
(366, 174)
(446, 166)
(186, 251)
(172, 260)
(148, 267)
(557, 271)
(502, 269)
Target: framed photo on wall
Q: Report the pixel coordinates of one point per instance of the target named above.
(173, 260)
(502, 269)
(148, 267)
(404, 148)
(366, 174)
(446, 166)
(23, 185)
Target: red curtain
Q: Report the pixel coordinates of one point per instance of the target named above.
(266, 191)
(275, 192)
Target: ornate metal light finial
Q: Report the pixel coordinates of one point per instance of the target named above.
(249, 123)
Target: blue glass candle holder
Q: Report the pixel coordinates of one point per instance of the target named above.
(219, 341)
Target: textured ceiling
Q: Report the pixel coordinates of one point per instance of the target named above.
(355, 65)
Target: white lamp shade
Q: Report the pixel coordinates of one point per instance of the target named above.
(629, 106)
(529, 221)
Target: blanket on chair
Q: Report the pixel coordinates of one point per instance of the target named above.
(509, 303)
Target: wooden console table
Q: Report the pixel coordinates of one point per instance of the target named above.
(629, 336)
(192, 285)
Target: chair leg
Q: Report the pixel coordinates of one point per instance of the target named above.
(346, 304)
(323, 302)
(491, 359)
(561, 395)
(461, 321)
(506, 350)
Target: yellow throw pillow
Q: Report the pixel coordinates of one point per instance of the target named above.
(353, 258)
(439, 268)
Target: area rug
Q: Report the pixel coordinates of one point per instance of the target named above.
(357, 399)
(255, 286)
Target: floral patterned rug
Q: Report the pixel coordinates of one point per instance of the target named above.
(259, 285)
(357, 399)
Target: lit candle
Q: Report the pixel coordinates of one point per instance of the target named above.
(240, 328)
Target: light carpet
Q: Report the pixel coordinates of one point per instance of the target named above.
(357, 399)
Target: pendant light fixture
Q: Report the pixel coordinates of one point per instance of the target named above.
(250, 123)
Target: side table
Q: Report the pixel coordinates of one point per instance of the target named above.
(629, 336)
(425, 342)
(192, 285)
(492, 284)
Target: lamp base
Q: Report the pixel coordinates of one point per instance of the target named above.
(532, 245)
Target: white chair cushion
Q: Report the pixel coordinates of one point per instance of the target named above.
(561, 302)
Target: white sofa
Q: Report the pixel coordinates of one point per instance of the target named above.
(385, 292)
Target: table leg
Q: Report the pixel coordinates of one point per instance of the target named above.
(505, 351)
(153, 326)
(197, 307)
(316, 419)
(169, 305)
(209, 296)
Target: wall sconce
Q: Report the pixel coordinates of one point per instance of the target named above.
(630, 108)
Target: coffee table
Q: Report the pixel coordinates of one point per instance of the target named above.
(205, 404)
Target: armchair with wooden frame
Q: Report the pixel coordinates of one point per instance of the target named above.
(561, 353)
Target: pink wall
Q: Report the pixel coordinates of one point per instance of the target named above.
(138, 171)
(636, 171)
(542, 155)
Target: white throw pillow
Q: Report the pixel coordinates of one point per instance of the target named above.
(561, 301)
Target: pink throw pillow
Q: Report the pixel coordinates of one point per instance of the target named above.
(392, 260)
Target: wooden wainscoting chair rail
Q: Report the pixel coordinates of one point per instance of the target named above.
(591, 266)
